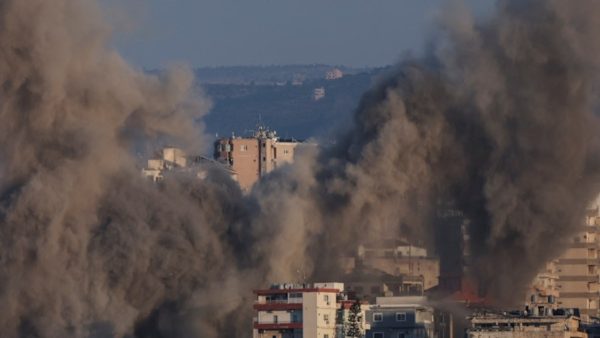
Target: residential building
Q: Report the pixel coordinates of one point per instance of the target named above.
(334, 74)
(297, 310)
(368, 283)
(543, 291)
(400, 317)
(578, 269)
(175, 159)
(397, 258)
(253, 157)
(558, 324)
(318, 94)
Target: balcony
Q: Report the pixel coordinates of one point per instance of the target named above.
(277, 326)
(270, 306)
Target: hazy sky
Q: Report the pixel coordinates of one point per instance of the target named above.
(154, 33)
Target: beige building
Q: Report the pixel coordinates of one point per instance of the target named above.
(400, 259)
(253, 157)
(543, 292)
(297, 310)
(175, 159)
(169, 158)
(578, 270)
(518, 326)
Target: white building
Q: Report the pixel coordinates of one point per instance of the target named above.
(334, 74)
(318, 94)
(297, 310)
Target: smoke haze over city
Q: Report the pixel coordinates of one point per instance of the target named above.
(497, 120)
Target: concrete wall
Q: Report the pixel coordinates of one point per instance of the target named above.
(244, 161)
(415, 325)
(319, 314)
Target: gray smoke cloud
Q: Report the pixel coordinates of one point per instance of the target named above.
(498, 119)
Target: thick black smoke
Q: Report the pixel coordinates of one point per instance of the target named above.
(497, 119)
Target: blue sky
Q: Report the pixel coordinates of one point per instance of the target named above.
(154, 33)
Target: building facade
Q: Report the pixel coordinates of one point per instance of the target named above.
(565, 325)
(253, 157)
(578, 270)
(175, 159)
(297, 311)
(400, 317)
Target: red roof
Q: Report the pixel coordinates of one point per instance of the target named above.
(469, 294)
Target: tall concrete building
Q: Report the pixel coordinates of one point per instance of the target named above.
(253, 157)
(578, 269)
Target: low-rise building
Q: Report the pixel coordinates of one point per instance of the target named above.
(558, 324)
(175, 159)
(400, 317)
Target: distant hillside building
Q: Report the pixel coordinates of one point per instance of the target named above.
(253, 157)
(334, 74)
(318, 94)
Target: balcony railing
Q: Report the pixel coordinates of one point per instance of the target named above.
(281, 301)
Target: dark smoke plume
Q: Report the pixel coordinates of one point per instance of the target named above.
(497, 119)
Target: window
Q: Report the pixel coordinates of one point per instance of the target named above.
(243, 147)
(378, 335)
(326, 298)
(325, 336)
(275, 319)
(326, 318)
(400, 316)
(378, 317)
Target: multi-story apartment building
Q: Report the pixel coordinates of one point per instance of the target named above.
(543, 292)
(253, 157)
(578, 269)
(400, 317)
(397, 258)
(297, 310)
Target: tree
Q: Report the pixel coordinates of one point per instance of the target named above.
(355, 321)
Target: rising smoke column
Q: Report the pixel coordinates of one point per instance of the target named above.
(498, 119)
(87, 247)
